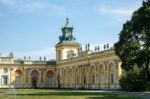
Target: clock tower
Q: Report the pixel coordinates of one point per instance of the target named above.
(67, 47)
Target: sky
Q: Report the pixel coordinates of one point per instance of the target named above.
(32, 27)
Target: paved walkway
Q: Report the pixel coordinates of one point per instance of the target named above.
(146, 95)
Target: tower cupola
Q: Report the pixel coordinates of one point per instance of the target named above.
(67, 33)
(67, 47)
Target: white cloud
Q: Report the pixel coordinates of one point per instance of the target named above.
(32, 6)
(49, 53)
(116, 12)
(119, 15)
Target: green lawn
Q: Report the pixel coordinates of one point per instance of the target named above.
(58, 94)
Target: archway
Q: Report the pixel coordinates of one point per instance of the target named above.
(50, 78)
(18, 78)
(34, 78)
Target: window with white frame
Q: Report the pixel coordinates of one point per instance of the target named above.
(5, 70)
(70, 54)
(5, 80)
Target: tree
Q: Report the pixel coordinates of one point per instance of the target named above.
(133, 46)
(132, 80)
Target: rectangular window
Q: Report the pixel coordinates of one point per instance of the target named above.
(18, 80)
(77, 80)
(59, 57)
(112, 79)
(93, 79)
(102, 80)
(5, 60)
(49, 81)
(84, 79)
(5, 70)
(5, 80)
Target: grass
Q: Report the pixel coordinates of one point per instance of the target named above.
(59, 94)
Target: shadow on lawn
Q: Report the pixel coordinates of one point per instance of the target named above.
(88, 95)
(65, 94)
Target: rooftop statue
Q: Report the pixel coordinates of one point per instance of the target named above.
(67, 21)
(11, 55)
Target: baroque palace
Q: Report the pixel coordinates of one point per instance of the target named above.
(73, 68)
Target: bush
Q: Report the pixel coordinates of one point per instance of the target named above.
(133, 80)
(148, 86)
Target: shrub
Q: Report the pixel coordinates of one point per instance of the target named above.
(133, 80)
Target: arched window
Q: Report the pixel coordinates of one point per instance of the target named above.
(112, 73)
(34, 78)
(93, 75)
(102, 75)
(50, 76)
(70, 54)
(59, 55)
(18, 77)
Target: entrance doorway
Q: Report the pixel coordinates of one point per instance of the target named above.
(34, 82)
(34, 78)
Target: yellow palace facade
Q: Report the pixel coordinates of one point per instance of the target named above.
(73, 67)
